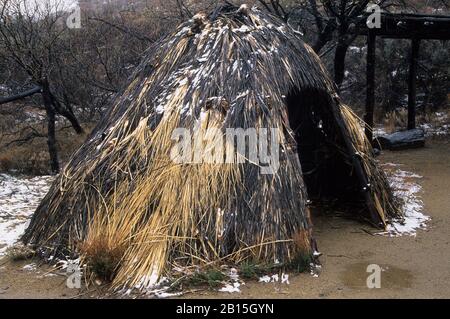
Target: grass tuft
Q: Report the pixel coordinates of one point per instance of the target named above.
(211, 278)
(251, 270)
(19, 253)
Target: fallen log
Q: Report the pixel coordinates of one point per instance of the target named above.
(401, 140)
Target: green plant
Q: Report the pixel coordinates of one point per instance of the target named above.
(251, 270)
(211, 278)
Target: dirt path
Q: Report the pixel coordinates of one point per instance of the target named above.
(415, 267)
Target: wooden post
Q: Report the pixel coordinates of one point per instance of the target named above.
(415, 45)
(370, 98)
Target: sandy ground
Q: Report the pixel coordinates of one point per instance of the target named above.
(415, 267)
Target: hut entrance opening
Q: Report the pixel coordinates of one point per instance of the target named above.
(327, 168)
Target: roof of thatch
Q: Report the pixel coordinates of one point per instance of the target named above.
(121, 191)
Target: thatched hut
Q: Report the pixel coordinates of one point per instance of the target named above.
(123, 195)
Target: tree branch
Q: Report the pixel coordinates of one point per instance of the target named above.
(20, 96)
(123, 29)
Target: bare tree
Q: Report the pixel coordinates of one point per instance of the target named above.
(31, 36)
(334, 20)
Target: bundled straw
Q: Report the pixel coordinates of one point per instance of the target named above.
(124, 192)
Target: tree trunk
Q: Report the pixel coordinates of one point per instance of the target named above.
(51, 134)
(412, 89)
(339, 62)
(370, 85)
(51, 142)
(66, 112)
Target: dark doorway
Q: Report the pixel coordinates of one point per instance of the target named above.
(327, 168)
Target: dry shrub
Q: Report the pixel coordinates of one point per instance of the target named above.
(394, 119)
(436, 119)
(19, 252)
(102, 258)
(6, 163)
(302, 242)
(31, 157)
(398, 119)
(28, 159)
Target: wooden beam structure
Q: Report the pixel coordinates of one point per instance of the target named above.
(409, 26)
(370, 78)
(412, 84)
(400, 26)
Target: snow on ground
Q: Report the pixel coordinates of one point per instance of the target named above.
(231, 288)
(405, 187)
(234, 283)
(379, 131)
(162, 288)
(30, 267)
(439, 127)
(431, 130)
(283, 279)
(19, 197)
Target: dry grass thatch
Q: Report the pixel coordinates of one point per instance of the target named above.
(231, 69)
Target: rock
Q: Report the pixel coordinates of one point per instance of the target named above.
(402, 140)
